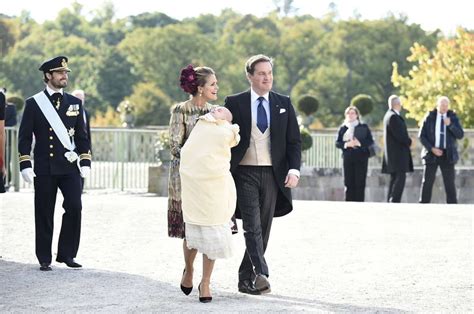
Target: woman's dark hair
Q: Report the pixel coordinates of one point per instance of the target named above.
(191, 78)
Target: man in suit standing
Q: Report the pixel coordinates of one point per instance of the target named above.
(2, 139)
(439, 134)
(10, 121)
(397, 156)
(265, 165)
(61, 157)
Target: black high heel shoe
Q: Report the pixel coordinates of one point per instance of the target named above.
(203, 299)
(186, 290)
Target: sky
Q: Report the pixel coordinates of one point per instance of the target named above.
(430, 14)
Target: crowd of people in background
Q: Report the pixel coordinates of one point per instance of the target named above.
(438, 134)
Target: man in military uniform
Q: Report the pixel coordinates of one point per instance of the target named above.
(61, 157)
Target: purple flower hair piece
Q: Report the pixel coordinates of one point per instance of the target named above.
(188, 79)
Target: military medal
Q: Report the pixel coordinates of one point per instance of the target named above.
(71, 132)
(72, 111)
(58, 103)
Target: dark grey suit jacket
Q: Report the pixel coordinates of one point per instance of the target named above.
(285, 140)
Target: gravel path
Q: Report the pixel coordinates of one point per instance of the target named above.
(323, 257)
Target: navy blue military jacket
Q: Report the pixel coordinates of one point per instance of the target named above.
(49, 152)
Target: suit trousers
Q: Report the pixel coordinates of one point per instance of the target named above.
(257, 193)
(46, 188)
(429, 176)
(396, 186)
(355, 174)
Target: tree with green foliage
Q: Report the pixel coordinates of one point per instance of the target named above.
(306, 139)
(448, 70)
(158, 54)
(332, 59)
(115, 66)
(364, 103)
(308, 104)
(151, 105)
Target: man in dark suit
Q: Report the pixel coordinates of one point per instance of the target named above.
(61, 157)
(397, 159)
(10, 121)
(2, 139)
(439, 134)
(265, 166)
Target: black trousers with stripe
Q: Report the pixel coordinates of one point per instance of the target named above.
(46, 188)
(257, 193)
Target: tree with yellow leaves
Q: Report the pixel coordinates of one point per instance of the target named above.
(449, 70)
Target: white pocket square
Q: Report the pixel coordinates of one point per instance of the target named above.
(282, 110)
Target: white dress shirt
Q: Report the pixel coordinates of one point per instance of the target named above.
(438, 130)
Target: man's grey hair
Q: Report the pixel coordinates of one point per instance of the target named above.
(78, 92)
(441, 99)
(393, 100)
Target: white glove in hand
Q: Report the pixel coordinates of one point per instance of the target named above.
(28, 174)
(85, 171)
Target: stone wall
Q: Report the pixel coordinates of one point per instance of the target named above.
(327, 185)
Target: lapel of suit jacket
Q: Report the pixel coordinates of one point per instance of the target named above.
(274, 112)
(245, 107)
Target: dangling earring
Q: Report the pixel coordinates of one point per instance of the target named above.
(200, 94)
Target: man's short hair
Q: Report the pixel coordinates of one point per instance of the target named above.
(392, 100)
(441, 98)
(253, 60)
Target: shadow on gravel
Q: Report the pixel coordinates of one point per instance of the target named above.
(26, 289)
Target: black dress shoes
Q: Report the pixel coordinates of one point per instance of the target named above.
(262, 284)
(247, 286)
(186, 290)
(69, 261)
(45, 266)
(203, 299)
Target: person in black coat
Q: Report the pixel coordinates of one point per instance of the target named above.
(397, 160)
(354, 138)
(10, 121)
(438, 135)
(61, 157)
(265, 166)
(2, 139)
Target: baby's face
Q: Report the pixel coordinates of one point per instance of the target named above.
(222, 113)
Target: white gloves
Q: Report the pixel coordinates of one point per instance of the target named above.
(85, 171)
(28, 174)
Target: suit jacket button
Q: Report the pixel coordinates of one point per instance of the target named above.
(50, 129)
(51, 155)
(50, 146)
(51, 138)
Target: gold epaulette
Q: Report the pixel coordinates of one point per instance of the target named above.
(85, 156)
(24, 158)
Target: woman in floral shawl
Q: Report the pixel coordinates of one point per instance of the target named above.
(201, 84)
